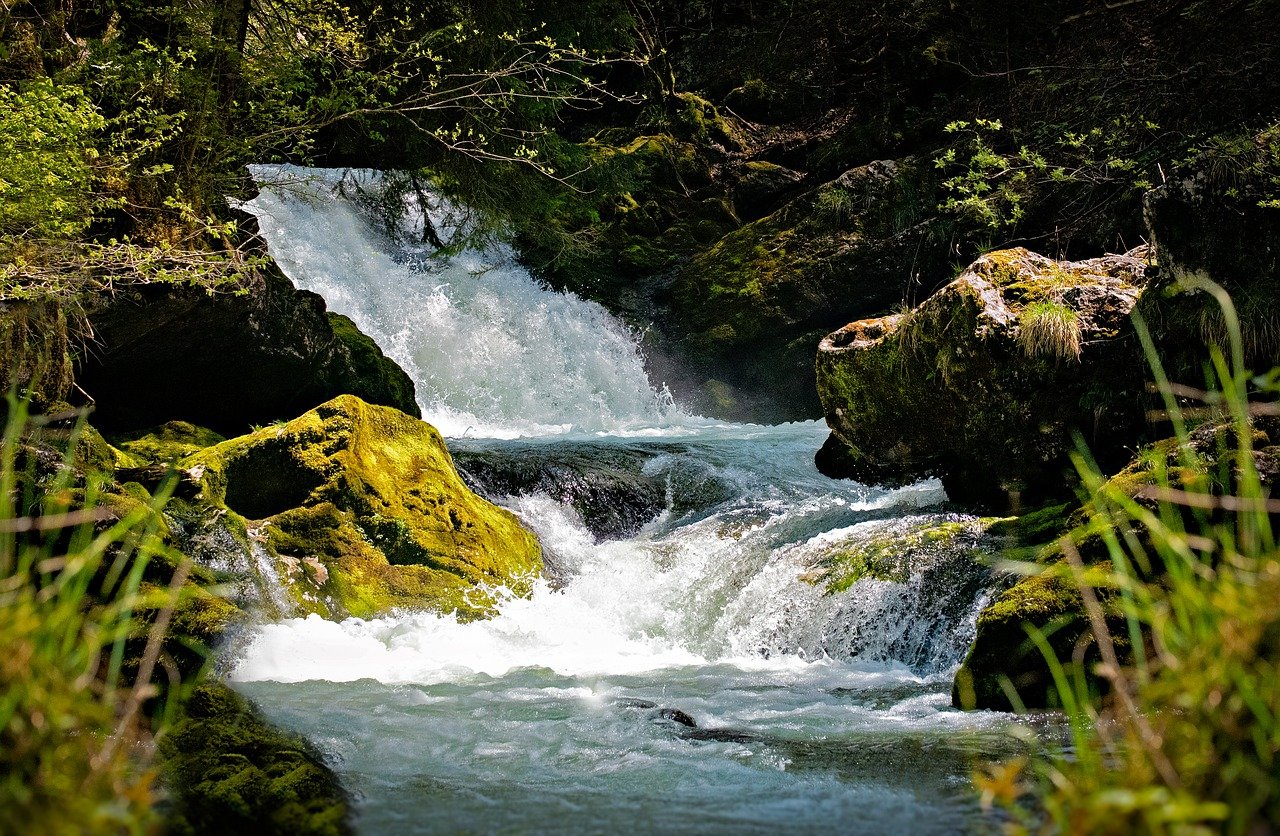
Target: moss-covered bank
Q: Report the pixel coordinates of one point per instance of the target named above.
(1005, 669)
(228, 771)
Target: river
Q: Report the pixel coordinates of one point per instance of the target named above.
(686, 663)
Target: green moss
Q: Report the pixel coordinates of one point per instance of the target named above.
(35, 351)
(203, 615)
(371, 495)
(167, 443)
(1003, 660)
(229, 771)
(947, 389)
(893, 556)
(1043, 525)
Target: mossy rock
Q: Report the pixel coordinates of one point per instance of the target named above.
(752, 306)
(167, 443)
(362, 506)
(954, 389)
(380, 379)
(229, 771)
(1004, 664)
(1003, 660)
(899, 551)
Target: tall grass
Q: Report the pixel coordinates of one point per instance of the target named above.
(1187, 738)
(80, 640)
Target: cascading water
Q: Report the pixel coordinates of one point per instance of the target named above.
(492, 352)
(809, 627)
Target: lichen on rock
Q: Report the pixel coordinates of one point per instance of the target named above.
(952, 389)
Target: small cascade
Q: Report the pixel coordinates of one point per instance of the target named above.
(759, 571)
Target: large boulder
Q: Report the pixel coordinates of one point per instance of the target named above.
(986, 383)
(359, 510)
(228, 360)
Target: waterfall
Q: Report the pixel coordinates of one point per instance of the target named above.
(492, 350)
(729, 569)
(694, 570)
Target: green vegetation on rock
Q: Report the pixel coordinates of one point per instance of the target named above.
(948, 388)
(364, 509)
(228, 770)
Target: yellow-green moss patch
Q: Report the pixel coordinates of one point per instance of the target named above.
(371, 495)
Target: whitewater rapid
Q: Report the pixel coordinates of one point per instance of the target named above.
(828, 706)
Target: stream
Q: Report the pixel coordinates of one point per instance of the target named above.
(685, 664)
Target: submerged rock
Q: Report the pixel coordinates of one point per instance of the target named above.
(606, 484)
(985, 383)
(359, 510)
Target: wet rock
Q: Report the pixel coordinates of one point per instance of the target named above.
(986, 383)
(675, 715)
(606, 484)
(228, 770)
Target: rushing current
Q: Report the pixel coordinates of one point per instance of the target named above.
(695, 658)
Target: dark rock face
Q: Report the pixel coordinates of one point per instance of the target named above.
(228, 361)
(985, 383)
